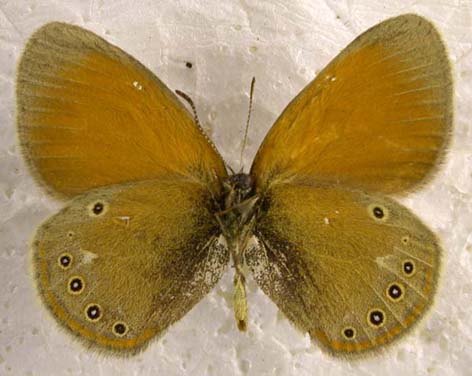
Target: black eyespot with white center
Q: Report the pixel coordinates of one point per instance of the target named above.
(76, 285)
(97, 208)
(378, 212)
(93, 312)
(409, 268)
(65, 260)
(349, 333)
(120, 329)
(376, 318)
(395, 292)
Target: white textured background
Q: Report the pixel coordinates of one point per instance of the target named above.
(228, 42)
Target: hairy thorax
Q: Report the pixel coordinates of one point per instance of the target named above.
(238, 206)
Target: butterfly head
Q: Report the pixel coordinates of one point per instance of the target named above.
(241, 183)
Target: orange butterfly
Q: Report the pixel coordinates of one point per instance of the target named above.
(154, 217)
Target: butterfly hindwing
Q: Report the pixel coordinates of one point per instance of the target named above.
(354, 270)
(90, 115)
(377, 118)
(119, 264)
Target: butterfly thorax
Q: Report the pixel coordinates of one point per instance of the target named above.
(238, 188)
(236, 220)
(237, 206)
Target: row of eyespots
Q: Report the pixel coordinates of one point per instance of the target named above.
(375, 318)
(381, 213)
(395, 292)
(93, 312)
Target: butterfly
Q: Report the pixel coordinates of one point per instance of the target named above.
(153, 217)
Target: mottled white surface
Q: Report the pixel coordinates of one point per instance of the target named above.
(228, 42)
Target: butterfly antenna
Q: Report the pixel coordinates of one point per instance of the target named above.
(230, 169)
(251, 94)
(190, 102)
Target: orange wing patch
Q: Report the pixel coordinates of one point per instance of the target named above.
(376, 118)
(90, 115)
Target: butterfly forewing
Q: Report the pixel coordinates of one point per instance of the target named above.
(354, 270)
(377, 117)
(90, 115)
(120, 264)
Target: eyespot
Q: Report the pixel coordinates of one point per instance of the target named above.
(349, 333)
(97, 208)
(120, 329)
(70, 234)
(409, 268)
(395, 292)
(93, 312)
(76, 285)
(65, 260)
(378, 212)
(376, 318)
(405, 239)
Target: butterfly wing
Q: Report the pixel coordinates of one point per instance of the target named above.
(377, 117)
(89, 115)
(354, 270)
(119, 264)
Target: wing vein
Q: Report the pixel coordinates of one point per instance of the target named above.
(413, 257)
(333, 283)
(382, 299)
